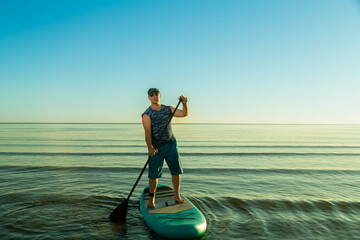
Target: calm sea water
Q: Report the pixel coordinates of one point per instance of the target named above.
(61, 181)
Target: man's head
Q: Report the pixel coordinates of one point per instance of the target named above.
(151, 91)
(154, 95)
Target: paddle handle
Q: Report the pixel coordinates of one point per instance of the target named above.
(156, 146)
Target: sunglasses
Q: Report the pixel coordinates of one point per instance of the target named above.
(154, 93)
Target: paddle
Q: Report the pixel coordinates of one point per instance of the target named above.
(119, 214)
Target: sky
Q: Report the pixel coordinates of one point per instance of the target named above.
(237, 61)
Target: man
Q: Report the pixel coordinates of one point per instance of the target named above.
(154, 120)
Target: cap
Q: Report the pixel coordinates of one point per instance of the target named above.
(153, 90)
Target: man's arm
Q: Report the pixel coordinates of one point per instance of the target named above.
(185, 110)
(146, 121)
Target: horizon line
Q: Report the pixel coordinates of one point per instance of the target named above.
(204, 123)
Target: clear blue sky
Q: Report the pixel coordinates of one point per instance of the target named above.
(238, 61)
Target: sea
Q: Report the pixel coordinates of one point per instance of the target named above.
(251, 181)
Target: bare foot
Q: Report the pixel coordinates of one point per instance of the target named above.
(151, 203)
(179, 199)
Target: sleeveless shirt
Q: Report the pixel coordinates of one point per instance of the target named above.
(159, 119)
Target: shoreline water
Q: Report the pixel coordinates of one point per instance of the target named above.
(250, 181)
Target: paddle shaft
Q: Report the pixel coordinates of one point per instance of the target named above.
(156, 146)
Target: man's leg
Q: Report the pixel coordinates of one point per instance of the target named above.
(172, 158)
(152, 190)
(155, 172)
(176, 183)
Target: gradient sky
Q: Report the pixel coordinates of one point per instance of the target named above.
(238, 61)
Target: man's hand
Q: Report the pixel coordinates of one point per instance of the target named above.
(183, 99)
(185, 111)
(152, 151)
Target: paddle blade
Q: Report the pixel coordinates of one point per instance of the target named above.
(119, 213)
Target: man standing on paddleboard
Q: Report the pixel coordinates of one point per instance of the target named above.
(154, 120)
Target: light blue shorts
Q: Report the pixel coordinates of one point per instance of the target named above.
(170, 153)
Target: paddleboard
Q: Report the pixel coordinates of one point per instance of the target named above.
(170, 219)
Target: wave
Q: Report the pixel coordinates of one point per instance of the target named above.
(181, 146)
(249, 206)
(37, 139)
(65, 168)
(228, 217)
(182, 154)
(194, 143)
(271, 146)
(73, 145)
(67, 140)
(304, 205)
(208, 202)
(188, 170)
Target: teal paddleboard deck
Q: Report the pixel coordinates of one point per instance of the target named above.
(170, 219)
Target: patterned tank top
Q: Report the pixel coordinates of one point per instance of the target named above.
(159, 119)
